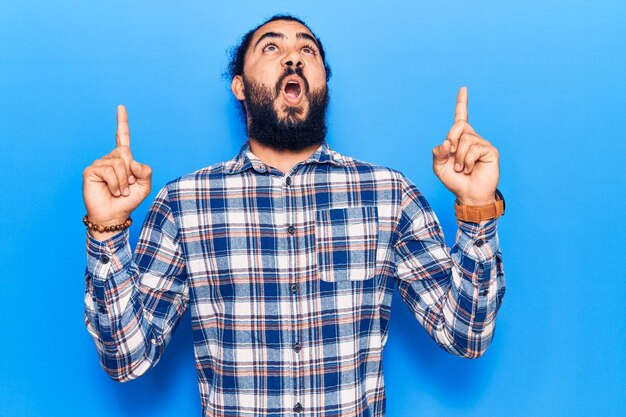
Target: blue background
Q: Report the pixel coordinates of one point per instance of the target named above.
(546, 85)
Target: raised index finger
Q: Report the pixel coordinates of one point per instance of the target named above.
(122, 136)
(461, 105)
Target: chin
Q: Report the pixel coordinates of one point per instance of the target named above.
(293, 114)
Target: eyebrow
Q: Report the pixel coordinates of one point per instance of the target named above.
(303, 35)
(299, 35)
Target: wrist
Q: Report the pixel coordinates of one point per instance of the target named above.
(107, 221)
(468, 201)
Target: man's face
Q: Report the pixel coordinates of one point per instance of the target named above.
(284, 87)
(277, 46)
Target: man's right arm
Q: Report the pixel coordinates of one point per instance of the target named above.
(131, 306)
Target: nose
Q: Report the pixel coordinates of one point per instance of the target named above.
(292, 59)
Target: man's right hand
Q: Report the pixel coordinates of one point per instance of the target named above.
(116, 184)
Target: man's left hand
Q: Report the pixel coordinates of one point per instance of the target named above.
(466, 163)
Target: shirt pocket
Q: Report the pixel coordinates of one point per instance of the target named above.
(345, 243)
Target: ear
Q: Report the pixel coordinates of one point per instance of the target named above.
(237, 87)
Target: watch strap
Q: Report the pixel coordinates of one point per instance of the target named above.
(476, 214)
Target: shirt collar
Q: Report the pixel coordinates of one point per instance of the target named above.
(245, 159)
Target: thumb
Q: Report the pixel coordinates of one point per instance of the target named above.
(441, 153)
(140, 171)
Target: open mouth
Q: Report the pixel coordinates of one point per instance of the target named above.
(293, 89)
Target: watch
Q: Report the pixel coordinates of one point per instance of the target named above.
(476, 214)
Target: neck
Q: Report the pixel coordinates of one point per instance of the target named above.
(283, 160)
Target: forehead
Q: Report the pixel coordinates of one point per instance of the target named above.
(286, 27)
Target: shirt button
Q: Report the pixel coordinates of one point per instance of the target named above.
(102, 309)
(297, 408)
(297, 348)
(294, 288)
(480, 242)
(291, 229)
(104, 259)
(288, 180)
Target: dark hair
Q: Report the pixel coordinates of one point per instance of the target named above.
(238, 53)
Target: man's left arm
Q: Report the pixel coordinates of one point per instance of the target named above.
(455, 293)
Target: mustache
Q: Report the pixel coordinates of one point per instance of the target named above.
(291, 71)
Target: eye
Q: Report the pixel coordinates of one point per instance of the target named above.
(309, 49)
(270, 47)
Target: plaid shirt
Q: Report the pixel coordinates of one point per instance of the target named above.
(289, 278)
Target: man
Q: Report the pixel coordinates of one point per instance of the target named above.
(287, 254)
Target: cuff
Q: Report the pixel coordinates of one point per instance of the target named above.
(479, 241)
(109, 256)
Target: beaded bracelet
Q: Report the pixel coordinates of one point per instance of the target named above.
(102, 229)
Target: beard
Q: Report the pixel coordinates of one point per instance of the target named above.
(294, 131)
